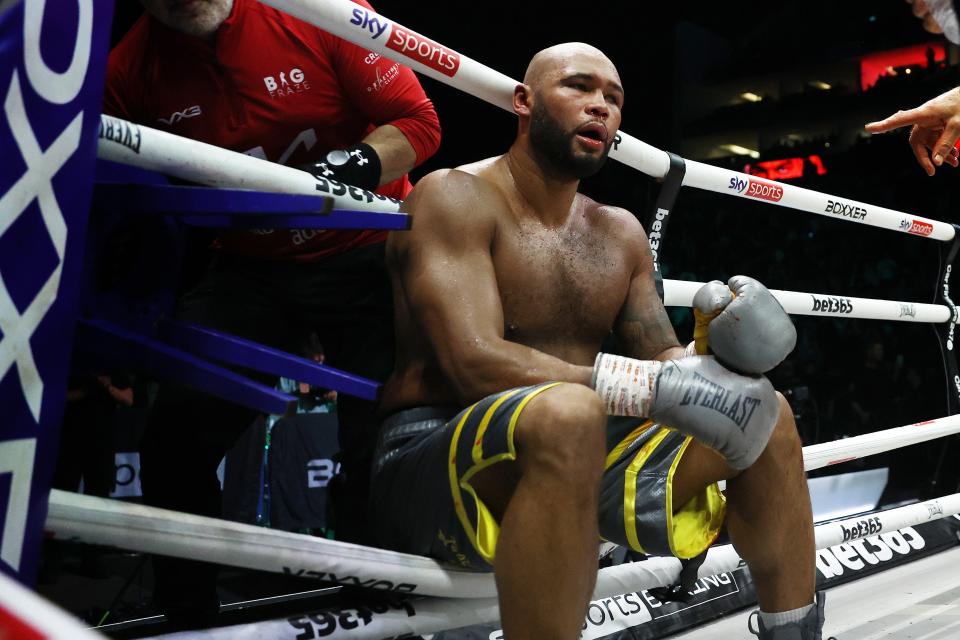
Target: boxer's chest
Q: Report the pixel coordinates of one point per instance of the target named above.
(559, 287)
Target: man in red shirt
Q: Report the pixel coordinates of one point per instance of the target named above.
(246, 77)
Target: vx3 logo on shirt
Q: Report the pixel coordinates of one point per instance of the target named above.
(177, 116)
(286, 83)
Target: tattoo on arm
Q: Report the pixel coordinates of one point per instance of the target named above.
(646, 334)
(643, 329)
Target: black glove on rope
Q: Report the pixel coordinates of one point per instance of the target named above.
(358, 166)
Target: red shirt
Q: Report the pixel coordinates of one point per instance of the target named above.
(275, 87)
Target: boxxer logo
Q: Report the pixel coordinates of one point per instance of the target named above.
(36, 184)
(286, 83)
(40, 152)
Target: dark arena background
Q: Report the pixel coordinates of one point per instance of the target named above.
(777, 90)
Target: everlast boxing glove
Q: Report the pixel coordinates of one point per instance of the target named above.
(728, 412)
(743, 324)
(358, 166)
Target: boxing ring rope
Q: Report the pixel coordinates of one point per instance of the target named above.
(375, 32)
(138, 145)
(429, 615)
(816, 456)
(679, 293)
(147, 148)
(151, 530)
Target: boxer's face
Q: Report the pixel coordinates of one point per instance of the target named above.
(576, 114)
(194, 17)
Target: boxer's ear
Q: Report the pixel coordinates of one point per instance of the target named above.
(522, 99)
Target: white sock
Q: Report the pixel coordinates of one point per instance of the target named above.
(771, 620)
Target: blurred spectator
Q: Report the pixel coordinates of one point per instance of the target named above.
(86, 437)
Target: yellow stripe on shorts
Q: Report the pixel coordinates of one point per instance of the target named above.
(630, 488)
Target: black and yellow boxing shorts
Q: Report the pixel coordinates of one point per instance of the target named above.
(422, 501)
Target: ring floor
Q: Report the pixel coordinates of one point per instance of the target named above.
(916, 601)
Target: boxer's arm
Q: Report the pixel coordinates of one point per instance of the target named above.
(445, 268)
(643, 329)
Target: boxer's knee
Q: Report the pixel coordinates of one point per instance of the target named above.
(562, 430)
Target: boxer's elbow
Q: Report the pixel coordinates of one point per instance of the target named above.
(474, 369)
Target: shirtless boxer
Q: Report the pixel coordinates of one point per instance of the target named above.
(505, 288)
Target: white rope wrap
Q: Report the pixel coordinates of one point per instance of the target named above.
(679, 293)
(147, 148)
(151, 530)
(825, 454)
(725, 181)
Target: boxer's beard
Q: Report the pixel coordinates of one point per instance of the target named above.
(556, 146)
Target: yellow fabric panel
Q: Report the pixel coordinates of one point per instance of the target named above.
(697, 524)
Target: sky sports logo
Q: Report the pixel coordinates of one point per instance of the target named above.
(916, 227)
(759, 189)
(408, 43)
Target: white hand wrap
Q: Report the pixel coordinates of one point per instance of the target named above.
(731, 413)
(625, 385)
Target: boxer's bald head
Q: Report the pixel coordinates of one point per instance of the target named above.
(552, 60)
(569, 107)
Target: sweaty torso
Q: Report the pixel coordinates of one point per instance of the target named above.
(561, 287)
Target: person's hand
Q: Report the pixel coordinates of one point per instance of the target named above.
(923, 12)
(935, 130)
